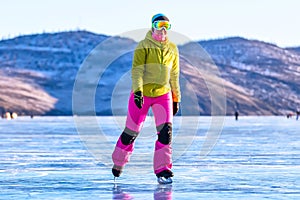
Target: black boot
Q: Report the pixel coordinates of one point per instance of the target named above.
(116, 172)
(164, 177)
(165, 173)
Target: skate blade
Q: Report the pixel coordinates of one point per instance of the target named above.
(163, 180)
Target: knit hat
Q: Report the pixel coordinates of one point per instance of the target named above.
(159, 16)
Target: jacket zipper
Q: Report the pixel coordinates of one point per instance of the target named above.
(161, 61)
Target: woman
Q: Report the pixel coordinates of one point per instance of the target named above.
(155, 84)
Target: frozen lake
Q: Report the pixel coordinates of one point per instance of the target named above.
(53, 158)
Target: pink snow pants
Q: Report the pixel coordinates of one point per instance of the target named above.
(163, 113)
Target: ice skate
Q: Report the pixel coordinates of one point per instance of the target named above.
(116, 172)
(165, 177)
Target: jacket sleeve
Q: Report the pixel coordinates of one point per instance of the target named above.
(174, 77)
(138, 66)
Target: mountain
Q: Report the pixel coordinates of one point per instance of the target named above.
(267, 73)
(40, 74)
(49, 61)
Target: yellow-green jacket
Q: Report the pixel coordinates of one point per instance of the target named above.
(155, 68)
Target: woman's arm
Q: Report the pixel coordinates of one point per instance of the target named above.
(138, 67)
(174, 78)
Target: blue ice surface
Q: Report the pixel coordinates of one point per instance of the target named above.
(63, 158)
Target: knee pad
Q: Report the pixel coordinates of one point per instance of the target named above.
(165, 134)
(127, 139)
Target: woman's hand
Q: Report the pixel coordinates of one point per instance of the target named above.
(138, 99)
(175, 107)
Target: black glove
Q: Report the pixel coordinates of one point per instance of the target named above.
(175, 107)
(138, 99)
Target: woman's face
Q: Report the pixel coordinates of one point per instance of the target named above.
(160, 34)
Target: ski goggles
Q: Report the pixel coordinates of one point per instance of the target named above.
(159, 25)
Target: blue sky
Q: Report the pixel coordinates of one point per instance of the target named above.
(274, 21)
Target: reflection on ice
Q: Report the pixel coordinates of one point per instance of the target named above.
(160, 192)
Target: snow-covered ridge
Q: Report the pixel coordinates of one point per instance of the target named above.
(32, 48)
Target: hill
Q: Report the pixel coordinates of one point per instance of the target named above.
(38, 72)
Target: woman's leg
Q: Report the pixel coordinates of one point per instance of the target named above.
(134, 123)
(163, 113)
